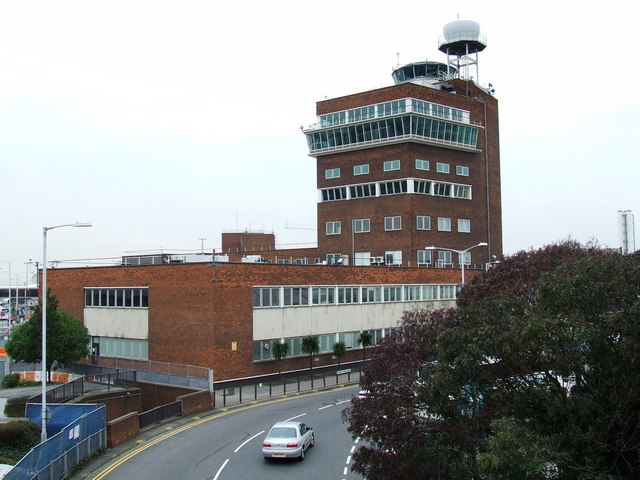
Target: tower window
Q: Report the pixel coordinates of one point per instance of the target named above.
(392, 223)
(334, 228)
(422, 164)
(422, 186)
(330, 194)
(361, 169)
(442, 167)
(424, 222)
(393, 257)
(424, 257)
(391, 188)
(360, 191)
(391, 165)
(444, 257)
(461, 170)
(462, 191)
(442, 189)
(444, 224)
(362, 225)
(464, 225)
(333, 258)
(464, 257)
(332, 173)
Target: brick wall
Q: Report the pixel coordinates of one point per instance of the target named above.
(198, 313)
(122, 429)
(196, 402)
(116, 404)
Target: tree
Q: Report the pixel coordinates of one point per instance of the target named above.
(311, 346)
(67, 339)
(365, 339)
(339, 350)
(535, 374)
(279, 350)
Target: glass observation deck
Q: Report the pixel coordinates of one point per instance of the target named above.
(400, 120)
(433, 71)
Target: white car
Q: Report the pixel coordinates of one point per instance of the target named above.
(288, 440)
(363, 394)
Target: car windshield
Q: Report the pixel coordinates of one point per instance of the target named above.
(282, 432)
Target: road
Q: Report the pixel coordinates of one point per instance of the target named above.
(227, 445)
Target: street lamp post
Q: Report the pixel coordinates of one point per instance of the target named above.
(459, 252)
(43, 435)
(10, 307)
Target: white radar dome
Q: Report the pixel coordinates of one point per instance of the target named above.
(461, 30)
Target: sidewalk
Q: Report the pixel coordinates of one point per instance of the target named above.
(19, 392)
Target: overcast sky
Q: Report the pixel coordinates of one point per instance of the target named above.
(163, 123)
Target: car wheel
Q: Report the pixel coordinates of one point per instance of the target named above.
(313, 441)
(302, 454)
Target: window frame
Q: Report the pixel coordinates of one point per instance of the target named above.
(462, 170)
(396, 219)
(390, 165)
(333, 227)
(361, 169)
(393, 257)
(442, 167)
(359, 225)
(422, 164)
(427, 257)
(445, 257)
(420, 222)
(330, 173)
(444, 224)
(464, 225)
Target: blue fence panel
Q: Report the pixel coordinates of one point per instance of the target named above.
(62, 414)
(85, 421)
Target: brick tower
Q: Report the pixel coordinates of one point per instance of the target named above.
(413, 165)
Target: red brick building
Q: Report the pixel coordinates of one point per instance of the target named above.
(226, 315)
(399, 169)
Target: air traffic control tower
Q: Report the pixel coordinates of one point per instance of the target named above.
(412, 165)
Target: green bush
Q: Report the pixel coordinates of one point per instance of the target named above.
(15, 407)
(28, 383)
(11, 380)
(17, 438)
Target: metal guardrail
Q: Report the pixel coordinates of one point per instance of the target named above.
(86, 384)
(157, 414)
(236, 392)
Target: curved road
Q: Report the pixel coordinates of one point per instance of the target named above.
(227, 445)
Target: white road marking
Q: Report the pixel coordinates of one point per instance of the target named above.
(327, 406)
(220, 469)
(247, 441)
(348, 459)
(293, 418)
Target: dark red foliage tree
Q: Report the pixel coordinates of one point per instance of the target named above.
(535, 374)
